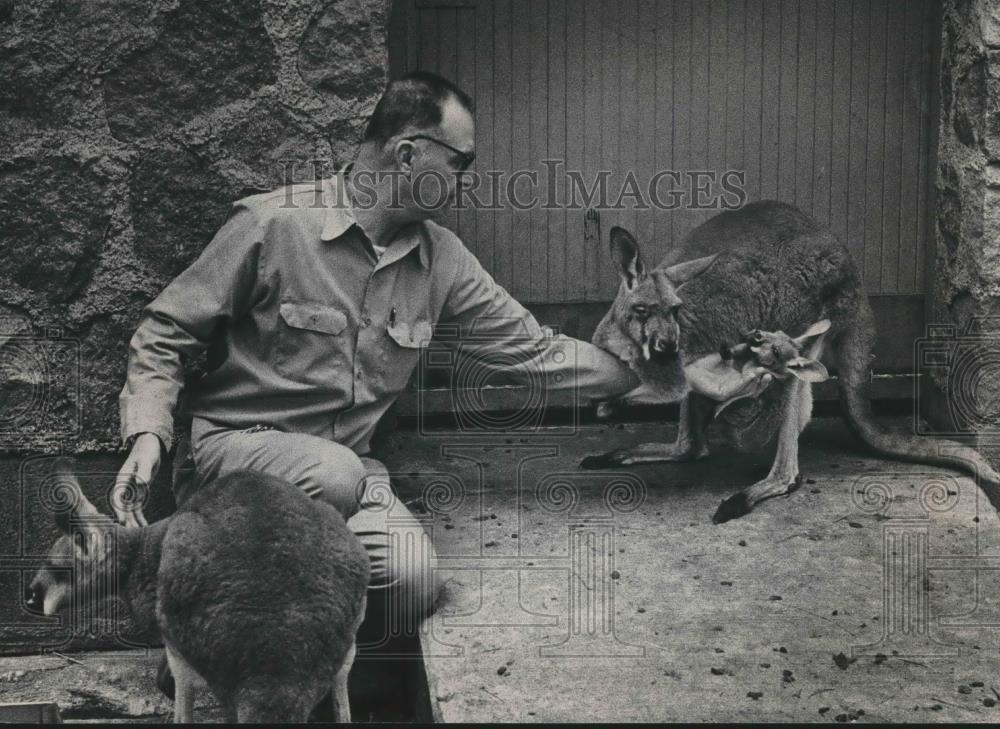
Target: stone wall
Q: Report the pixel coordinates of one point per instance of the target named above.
(963, 396)
(129, 126)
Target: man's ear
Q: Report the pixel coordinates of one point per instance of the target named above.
(403, 153)
(625, 254)
(807, 370)
(684, 272)
(805, 339)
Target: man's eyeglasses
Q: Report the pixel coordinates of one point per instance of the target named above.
(465, 159)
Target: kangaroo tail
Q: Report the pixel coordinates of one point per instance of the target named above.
(853, 350)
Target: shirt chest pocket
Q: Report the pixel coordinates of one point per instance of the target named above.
(411, 335)
(407, 340)
(313, 344)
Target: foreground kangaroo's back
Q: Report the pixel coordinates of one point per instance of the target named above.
(260, 590)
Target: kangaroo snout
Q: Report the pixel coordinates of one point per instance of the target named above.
(33, 599)
(663, 347)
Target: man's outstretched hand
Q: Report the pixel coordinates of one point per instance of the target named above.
(710, 376)
(715, 378)
(133, 480)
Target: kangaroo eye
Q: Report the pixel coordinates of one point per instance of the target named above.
(640, 310)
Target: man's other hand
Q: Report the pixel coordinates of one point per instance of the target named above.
(134, 479)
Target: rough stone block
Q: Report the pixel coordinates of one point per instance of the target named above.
(990, 23)
(177, 204)
(208, 54)
(991, 124)
(129, 128)
(56, 211)
(42, 88)
(343, 51)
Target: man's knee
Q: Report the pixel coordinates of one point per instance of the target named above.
(336, 476)
(416, 577)
(402, 594)
(404, 574)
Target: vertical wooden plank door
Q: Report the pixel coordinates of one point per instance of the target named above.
(829, 105)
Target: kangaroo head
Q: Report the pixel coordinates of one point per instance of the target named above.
(781, 354)
(647, 303)
(81, 566)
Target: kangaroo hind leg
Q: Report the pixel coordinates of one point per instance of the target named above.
(691, 443)
(796, 409)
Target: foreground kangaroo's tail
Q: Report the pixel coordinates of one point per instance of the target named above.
(853, 350)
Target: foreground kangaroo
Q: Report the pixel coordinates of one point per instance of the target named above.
(256, 589)
(765, 266)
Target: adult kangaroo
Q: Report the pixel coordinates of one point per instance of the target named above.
(766, 266)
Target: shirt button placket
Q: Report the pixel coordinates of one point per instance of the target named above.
(363, 324)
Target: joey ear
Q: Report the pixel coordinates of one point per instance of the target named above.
(807, 370)
(820, 327)
(683, 272)
(625, 254)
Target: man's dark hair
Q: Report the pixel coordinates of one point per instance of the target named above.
(415, 100)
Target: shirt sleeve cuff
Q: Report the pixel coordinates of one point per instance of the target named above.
(141, 415)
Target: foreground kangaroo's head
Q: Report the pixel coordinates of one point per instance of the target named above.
(647, 304)
(81, 566)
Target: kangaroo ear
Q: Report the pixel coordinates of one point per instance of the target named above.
(65, 490)
(807, 370)
(820, 327)
(684, 272)
(625, 254)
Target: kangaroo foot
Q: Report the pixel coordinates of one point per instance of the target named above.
(646, 453)
(610, 459)
(743, 502)
(731, 508)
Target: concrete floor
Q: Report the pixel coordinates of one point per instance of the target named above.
(788, 614)
(610, 596)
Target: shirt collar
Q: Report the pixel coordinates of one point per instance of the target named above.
(340, 218)
(339, 215)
